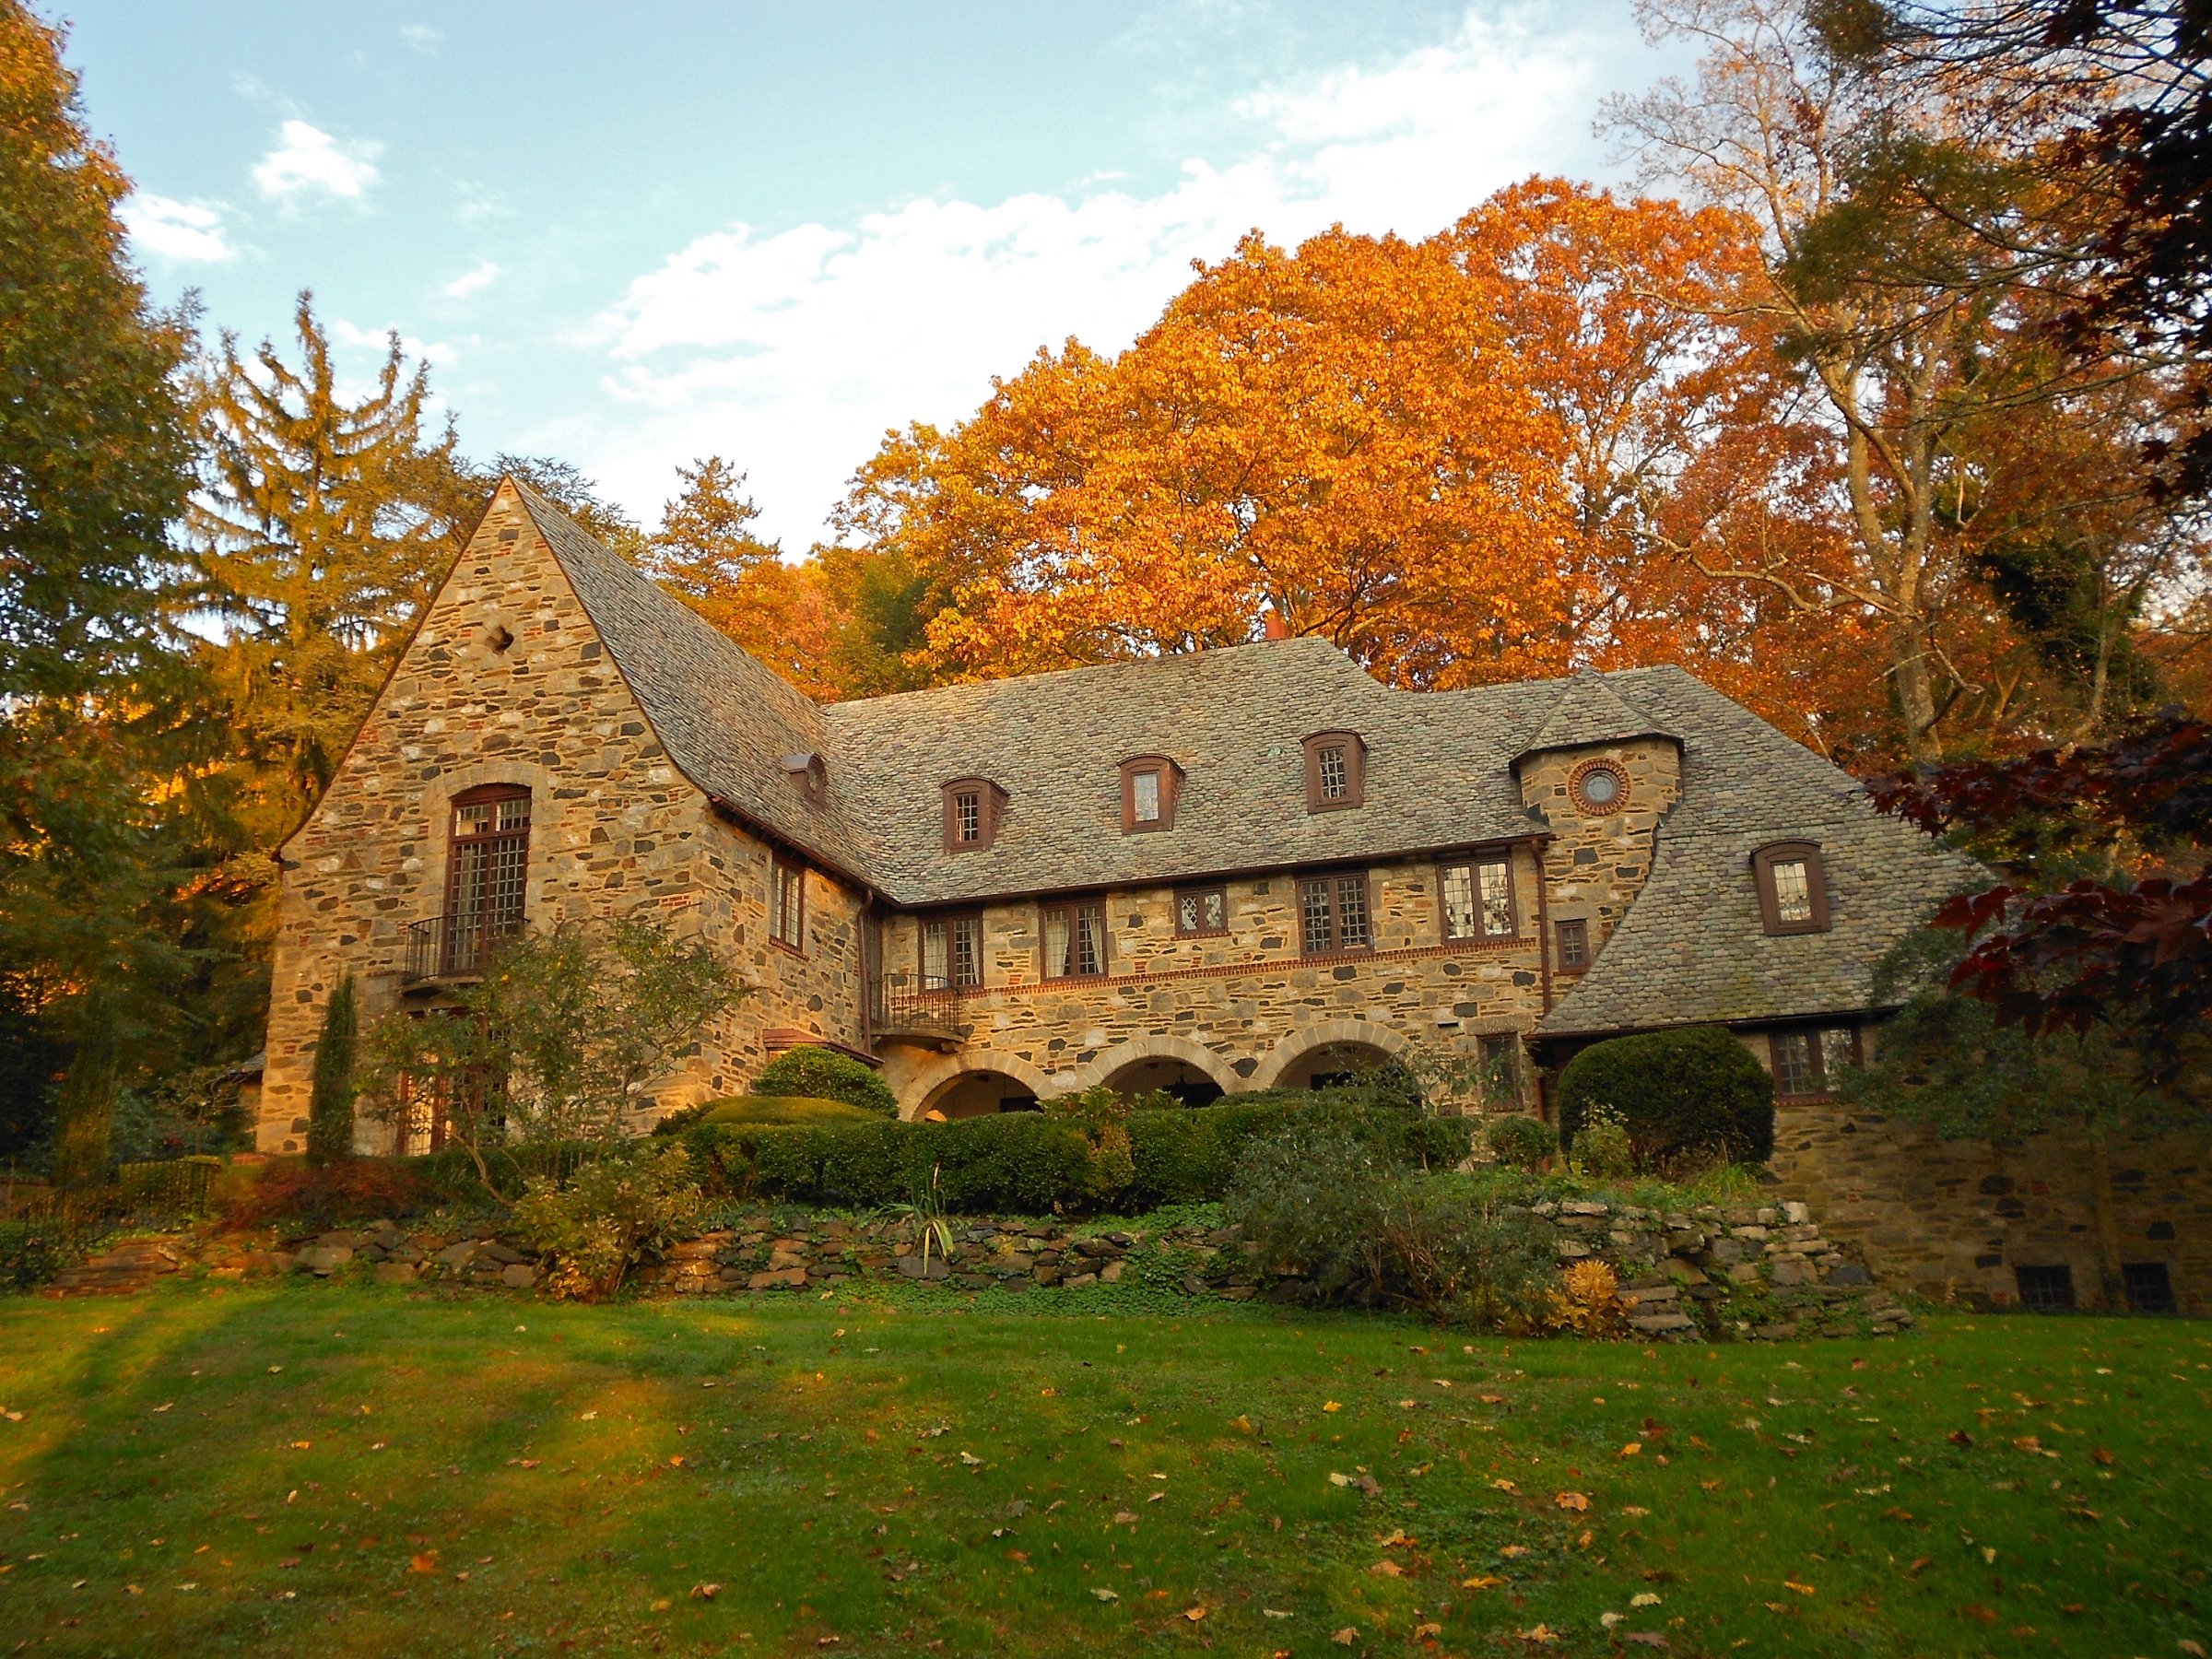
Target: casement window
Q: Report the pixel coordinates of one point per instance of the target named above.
(1075, 939)
(1574, 946)
(1336, 771)
(1202, 910)
(1810, 1059)
(2046, 1289)
(973, 807)
(1598, 788)
(1793, 888)
(952, 953)
(1150, 785)
(787, 904)
(487, 874)
(1478, 899)
(1333, 913)
(811, 773)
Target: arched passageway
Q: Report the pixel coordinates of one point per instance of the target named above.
(1190, 1084)
(977, 1094)
(1329, 1064)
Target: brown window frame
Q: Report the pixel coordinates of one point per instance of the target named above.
(1578, 929)
(1170, 790)
(991, 805)
(1355, 770)
(1336, 881)
(1816, 1070)
(1072, 909)
(1201, 893)
(1473, 864)
(783, 931)
(488, 920)
(811, 773)
(1816, 881)
(952, 922)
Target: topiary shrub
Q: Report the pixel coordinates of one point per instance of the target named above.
(826, 1075)
(1519, 1141)
(766, 1108)
(1690, 1093)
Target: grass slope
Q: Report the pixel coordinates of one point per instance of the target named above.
(305, 1469)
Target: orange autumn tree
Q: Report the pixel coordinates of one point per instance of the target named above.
(1679, 434)
(1341, 435)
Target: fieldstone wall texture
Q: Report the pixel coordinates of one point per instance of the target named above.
(1958, 1220)
(615, 829)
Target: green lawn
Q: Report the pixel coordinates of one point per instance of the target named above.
(306, 1468)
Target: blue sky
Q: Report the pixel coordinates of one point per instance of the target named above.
(633, 235)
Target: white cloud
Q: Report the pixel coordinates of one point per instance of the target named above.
(376, 340)
(469, 282)
(306, 158)
(792, 353)
(423, 38)
(182, 230)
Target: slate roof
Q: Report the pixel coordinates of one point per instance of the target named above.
(1693, 948)
(1439, 773)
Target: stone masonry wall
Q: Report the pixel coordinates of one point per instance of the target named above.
(1243, 1008)
(1597, 864)
(1956, 1219)
(614, 828)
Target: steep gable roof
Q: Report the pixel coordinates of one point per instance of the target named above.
(1592, 711)
(1693, 948)
(725, 719)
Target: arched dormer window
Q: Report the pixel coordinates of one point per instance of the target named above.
(1336, 771)
(811, 773)
(973, 807)
(1150, 786)
(1793, 888)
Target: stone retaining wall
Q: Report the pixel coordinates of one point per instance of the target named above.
(1704, 1275)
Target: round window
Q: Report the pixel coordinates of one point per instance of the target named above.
(1599, 788)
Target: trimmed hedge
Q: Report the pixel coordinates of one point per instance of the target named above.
(1687, 1093)
(1028, 1163)
(825, 1075)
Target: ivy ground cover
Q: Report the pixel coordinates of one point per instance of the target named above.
(311, 1469)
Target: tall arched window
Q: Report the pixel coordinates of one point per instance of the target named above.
(487, 873)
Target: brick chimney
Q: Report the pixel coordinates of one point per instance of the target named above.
(1272, 625)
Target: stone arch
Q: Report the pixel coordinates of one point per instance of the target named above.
(434, 803)
(1153, 1061)
(1329, 1033)
(930, 1080)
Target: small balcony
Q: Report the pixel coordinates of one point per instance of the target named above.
(449, 949)
(917, 1008)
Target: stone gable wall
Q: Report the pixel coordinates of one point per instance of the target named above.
(614, 828)
(1596, 866)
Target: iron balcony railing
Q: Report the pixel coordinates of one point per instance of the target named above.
(455, 946)
(914, 1005)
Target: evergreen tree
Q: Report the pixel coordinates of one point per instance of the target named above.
(85, 1132)
(329, 1103)
(321, 530)
(705, 550)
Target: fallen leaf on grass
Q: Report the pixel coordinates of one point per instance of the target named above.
(1274, 1612)
(1634, 1509)
(588, 1416)
(423, 1563)
(1421, 1631)
(705, 1591)
(2101, 1456)
(1572, 1500)
(1541, 1636)
(1155, 1498)
(1801, 1589)
(1124, 1518)
(1976, 1610)
(971, 1459)
(1643, 1598)
(1650, 1639)
(1489, 1581)
(1331, 1405)
(1913, 1570)
(1633, 1449)
(1510, 1550)
(1346, 1637)
(1505, 1486)
(1960, 1437)
(1193, 1614)
(1387, 1570)
(1107, 1595)
(1241, 1424)
(1491, 1399)
(2188, 1646)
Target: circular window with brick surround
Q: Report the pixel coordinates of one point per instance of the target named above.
(1598, 788)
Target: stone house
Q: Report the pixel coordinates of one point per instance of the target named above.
(1225, 871)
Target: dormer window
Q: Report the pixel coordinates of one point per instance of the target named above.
(1150, 784)
(973, 807)
(1336, 771)
(811, 773)
(1793, 888)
